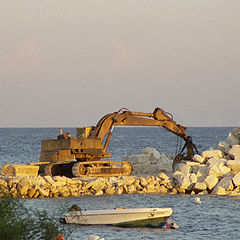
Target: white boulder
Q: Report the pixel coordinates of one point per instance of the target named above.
(236, 179)
(219, 171)
(211, 181)
(196, 167)
(193, 178)
(200, 186)
(149, 161)
(154, 154)
(198, 158)
(212, 154)
(235, 152)
(216, 161)
(184, 181)
(183, 168)
(234, 165)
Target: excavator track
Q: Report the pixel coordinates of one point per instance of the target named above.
(101, 169)
(59, 169)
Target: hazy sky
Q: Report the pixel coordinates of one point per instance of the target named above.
(68, 63)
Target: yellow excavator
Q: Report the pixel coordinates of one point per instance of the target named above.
(81, 155)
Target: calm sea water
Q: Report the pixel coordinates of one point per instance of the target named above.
(215, 218)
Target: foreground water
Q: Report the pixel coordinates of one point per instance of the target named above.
(215, 218)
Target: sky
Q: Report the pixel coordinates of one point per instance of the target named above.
(68, 63)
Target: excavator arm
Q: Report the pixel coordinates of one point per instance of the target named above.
(158, 118)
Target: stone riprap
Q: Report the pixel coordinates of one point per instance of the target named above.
(215, 171)
(47, 186)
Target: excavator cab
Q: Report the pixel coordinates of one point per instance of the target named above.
(83, 132)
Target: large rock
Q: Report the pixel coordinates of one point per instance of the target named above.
(151, 187)
(200, 186)
(31, 192)
(232, 140)
(183, 168)
(193, 178)
(226, 183)
(236, 132)
(165, 163)
(49, 179)
(163, 176)
(119, 190)
(211, 181)
(19, 170)
(219, 171)
(98, 185)
(212, 154)
(236, 179)
(234, 165)
(184, 181)
(202, 173)
(235, 152)
(154, 154)
(224, 147)
(217, 167)
(149, 161)
(23, 187)
(110, 190)
(216, 161)
(128, 180)
(198, 158)
(196, 167)
(44, 192)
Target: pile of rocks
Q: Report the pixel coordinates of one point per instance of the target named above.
(47, 186)
(149, 161)
(213, 172)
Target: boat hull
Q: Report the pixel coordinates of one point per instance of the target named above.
(137, 217)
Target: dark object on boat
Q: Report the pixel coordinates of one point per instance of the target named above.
(74, 207)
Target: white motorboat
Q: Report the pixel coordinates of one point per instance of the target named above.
(124, 217)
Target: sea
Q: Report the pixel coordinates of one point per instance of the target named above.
(217, 217)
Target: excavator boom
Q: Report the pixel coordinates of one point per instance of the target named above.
(125, 117)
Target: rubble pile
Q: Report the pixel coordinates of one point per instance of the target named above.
(216, 171)
(47, 186)
(149, 161)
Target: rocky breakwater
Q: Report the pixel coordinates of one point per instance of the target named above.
(47, 186)
(215, 171)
